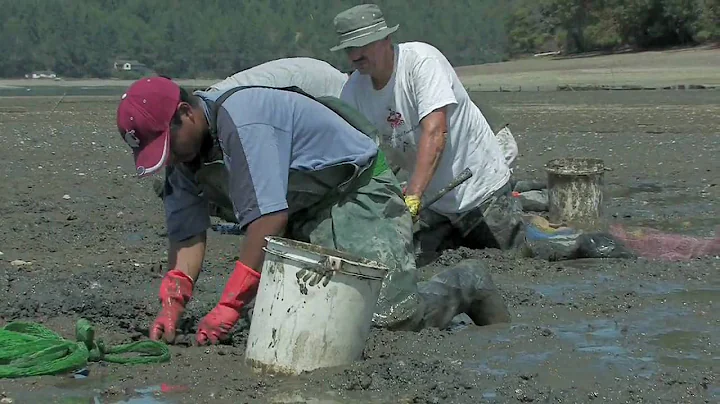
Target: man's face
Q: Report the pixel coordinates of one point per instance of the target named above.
(369, 59)
(186, 140)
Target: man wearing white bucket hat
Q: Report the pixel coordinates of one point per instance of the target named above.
(430, 128)
(285, 164)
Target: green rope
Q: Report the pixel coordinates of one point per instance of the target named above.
(29, 349)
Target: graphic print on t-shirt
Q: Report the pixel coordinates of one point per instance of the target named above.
(395, 118)
(398, 135)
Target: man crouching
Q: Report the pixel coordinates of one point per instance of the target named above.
(285, 165)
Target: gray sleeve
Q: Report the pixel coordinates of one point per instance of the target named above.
(258, 160)
(186, 210)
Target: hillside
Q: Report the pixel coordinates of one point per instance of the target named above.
(214, 38)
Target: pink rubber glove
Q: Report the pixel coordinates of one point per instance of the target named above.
(175, 292)
(239, 290)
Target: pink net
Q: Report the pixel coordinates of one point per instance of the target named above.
(650, 243)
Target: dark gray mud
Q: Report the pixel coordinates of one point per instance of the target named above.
(582, 331)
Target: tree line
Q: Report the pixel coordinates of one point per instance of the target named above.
(589, 25)
(215, 38)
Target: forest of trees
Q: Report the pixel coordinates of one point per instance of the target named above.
(214, 38)
(587, 25)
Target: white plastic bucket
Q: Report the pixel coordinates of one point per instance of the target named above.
(575, 191)
(313, 308)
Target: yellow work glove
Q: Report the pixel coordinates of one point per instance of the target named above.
(413, 204)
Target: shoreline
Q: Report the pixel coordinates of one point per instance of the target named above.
(693, 68)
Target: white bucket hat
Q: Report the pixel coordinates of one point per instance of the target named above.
(361, 25)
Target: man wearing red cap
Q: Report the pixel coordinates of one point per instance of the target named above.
(315, 77)
(285, 165)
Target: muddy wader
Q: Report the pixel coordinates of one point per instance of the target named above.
(496, 223)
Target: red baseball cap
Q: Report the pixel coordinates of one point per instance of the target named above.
(143, 118)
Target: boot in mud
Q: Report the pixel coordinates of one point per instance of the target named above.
(466, 288)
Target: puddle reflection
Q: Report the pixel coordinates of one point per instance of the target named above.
(635, 344)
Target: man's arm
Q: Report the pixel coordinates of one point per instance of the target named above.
(273, 224)
(430, 149)
(433, 93)
(188, 255)
(186, 215)
(187, 220)
(259, 156)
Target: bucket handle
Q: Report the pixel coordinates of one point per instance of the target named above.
(324, 268)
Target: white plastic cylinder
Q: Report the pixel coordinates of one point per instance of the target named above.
(575, 191)
(313, 309)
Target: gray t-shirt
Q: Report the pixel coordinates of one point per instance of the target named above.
(315, 77)
(266, 135)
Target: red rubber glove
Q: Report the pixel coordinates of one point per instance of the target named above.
(239, 290)
(175, 291)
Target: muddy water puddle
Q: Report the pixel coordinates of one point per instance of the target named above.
(90, 392)
(672, 327)
(152, 395)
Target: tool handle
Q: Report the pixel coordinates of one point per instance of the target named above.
(462, 177)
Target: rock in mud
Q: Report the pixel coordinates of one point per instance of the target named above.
(534, 201)
(529, 185)
(4, 399)
(602, 245)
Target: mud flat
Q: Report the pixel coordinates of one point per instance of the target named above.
(694, 68)
(583, 331)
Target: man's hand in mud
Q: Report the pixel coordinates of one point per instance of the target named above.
(165, 324)
(175, 291)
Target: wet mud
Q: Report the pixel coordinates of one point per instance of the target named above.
(93, 245)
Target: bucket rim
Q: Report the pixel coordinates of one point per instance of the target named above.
(584, 166)
(328, 253)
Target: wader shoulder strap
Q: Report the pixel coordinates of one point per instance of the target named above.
(340, 107)
(218, 102)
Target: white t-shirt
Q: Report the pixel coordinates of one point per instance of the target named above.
(313, 76)
(423, 81)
